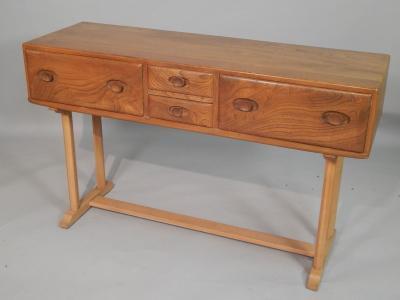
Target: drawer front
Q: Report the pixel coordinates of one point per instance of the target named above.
(314, 116)
(84, 81)
(183, 111)
(180, 81)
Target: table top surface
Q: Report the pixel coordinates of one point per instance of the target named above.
(302, 63)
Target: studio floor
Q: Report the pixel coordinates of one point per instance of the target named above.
(112, 256)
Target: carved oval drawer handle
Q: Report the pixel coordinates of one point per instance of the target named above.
(245, 105)
(177, 81)
(177, 111)
(116, 86)
(46, 75)
(335, 118)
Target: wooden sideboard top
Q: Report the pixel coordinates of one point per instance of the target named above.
(352, 70)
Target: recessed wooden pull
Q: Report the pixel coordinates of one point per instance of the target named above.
(245, 105)
(335, 118)
(46, 75)
(177, 81)
(116, 86)
(177, 111)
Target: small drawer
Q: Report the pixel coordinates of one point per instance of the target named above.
(307, 115)
(183, 111)
(181, 81)
(85, 81)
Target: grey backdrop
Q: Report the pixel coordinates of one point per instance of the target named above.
(106, 256)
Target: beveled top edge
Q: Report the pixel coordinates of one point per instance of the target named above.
(348, 68)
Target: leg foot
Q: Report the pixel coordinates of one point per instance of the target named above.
(314, 279)
(315, 275)
(71, 216)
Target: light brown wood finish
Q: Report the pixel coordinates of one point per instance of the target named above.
(178, 110)
(327, 217)
(71, 216)
(228, 231)
(283, 62)
(335, 195)
(204, 130)
(181, 96)
(285, 111)
(79, 207)
(313, 99)
(202, 59)
(103, 84)
(70, 159)
(180, 81)
(98, 151)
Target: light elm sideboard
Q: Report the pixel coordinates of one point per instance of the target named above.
(312, 99)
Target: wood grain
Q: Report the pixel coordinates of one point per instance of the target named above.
(204, 130)
(313, 99)
(359, 73)
(179, 110)
(302, 64)
(181, 96)
(91, 82)
(180, 81)
(290, 112)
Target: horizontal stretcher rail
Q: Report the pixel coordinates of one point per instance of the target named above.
(228, 231)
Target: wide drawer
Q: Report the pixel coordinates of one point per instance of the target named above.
(183, 111)
(308, 115)
(85, 81)
(180, 81)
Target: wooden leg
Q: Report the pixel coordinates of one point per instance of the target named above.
(335, 196)
(98, 151)
(327, 217)
(70, 160)
(79, 207)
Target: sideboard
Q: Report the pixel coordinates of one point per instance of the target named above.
(321, 100)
